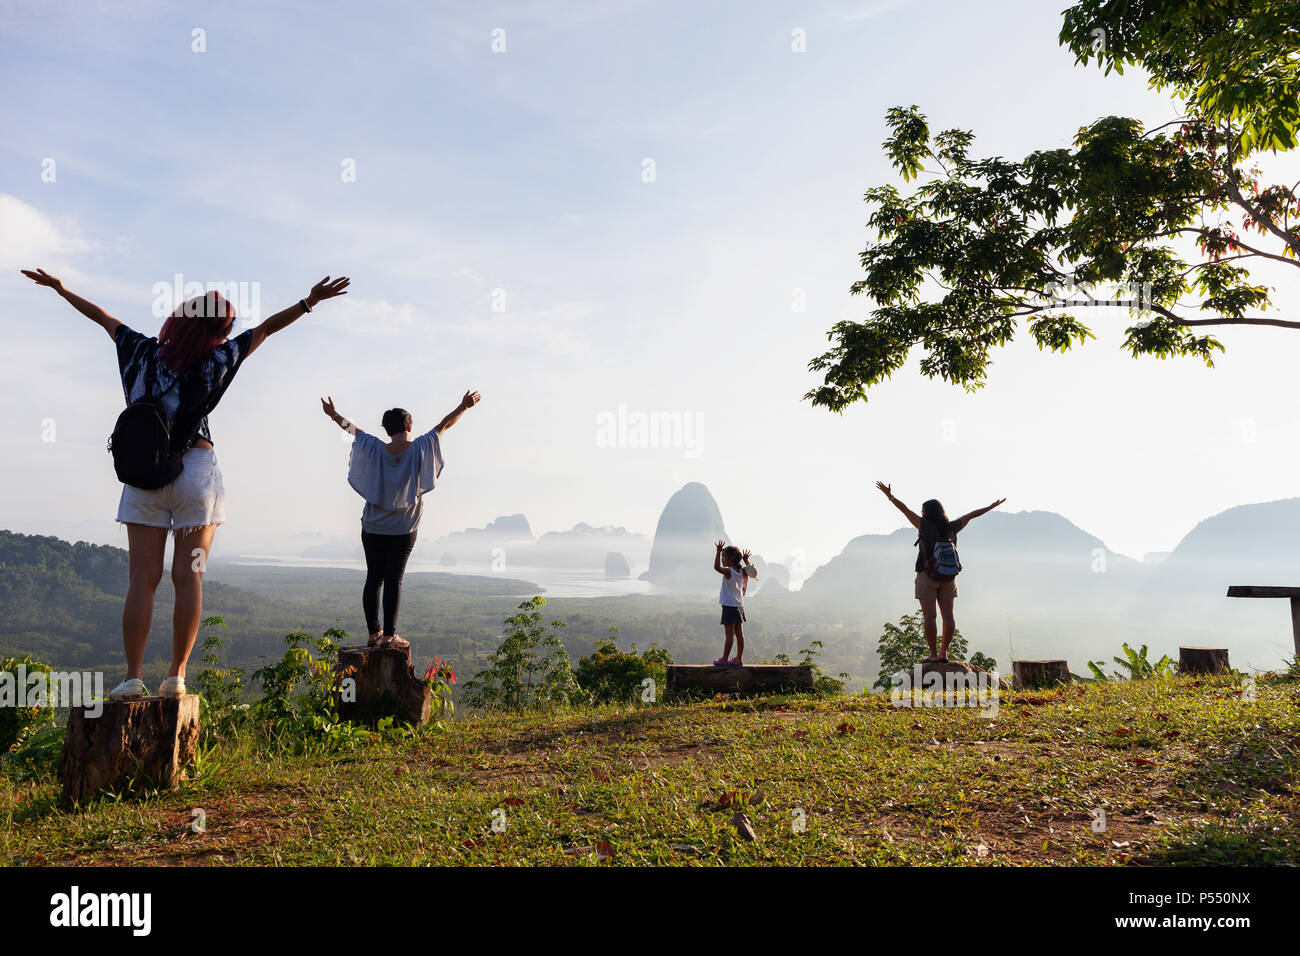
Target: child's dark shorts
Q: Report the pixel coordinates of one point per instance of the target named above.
(733, 615)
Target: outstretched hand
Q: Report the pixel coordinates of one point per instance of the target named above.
(887, 489)
(41, 277)
(996, 503)
(471, 399)
(328, 408)
(325, 289)
(720, 544)
(744, 555)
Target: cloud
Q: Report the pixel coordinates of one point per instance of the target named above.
(875, 10)
(29, 236)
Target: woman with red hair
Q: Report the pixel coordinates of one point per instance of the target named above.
(182, 373)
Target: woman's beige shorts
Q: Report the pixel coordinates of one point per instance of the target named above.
(195, 499)
(926, 587)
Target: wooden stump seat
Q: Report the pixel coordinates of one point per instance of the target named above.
(1037, 674)
(149, 741)
(383, 685)
(746, 679)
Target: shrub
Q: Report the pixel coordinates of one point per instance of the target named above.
(529, 669)
(17, 722)
(1136, 665)
(610, 675)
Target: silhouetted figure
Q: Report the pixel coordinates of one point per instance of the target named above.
(936, 565)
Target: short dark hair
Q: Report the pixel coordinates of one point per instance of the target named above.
(396, 421)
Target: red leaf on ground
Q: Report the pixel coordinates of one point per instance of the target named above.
(513, 802)
(604, 851)
(845, 728)
(1144, 762)
(1170, 734)
(1122, 732)
(469, 843)
(800, 734)
(1024, 713)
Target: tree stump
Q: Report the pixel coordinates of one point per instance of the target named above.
(383, 684)
(1203, 660)
(1035, 674)
(746, 679)
(149, 741)
(953, 668)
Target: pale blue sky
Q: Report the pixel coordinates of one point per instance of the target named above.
(522, 171)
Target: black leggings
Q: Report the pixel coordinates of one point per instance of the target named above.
(386, 556)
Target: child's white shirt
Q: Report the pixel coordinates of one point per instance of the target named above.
(733, 588)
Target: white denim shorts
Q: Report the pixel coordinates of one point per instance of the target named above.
(196, 498)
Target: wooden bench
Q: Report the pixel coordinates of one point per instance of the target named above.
(746, 679)
(1261, 591)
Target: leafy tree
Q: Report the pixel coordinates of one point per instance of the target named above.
(529, 669)
(985, 245)
(610, 675)
(902, 646)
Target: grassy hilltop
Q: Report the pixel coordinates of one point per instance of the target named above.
(1186, 770)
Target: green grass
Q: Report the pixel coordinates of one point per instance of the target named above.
(1186, 771)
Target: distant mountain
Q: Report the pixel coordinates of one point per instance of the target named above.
(1031, 581)
(682, 555)
(585, 546)
(508, 535)
(616, 567)
(1248, 544)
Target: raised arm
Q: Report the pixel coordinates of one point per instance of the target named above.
(325, 289)
(912, 516)
(471, 399)
(980, 511)
(84, 306)
(327, 406)
(717, 558)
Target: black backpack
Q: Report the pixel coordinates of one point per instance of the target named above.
(145, 454)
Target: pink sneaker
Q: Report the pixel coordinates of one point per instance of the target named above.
(721, 662)
(735, 662)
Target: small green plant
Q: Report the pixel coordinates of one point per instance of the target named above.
(530, 669)
(297, 705)
(17, 722)
(613, 676)
(823, 683)
(221, 688)
(902, 646)
(439, 676)
(1136, 664)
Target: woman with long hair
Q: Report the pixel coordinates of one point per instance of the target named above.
(935, 592)
(183, 372)
(393, 478)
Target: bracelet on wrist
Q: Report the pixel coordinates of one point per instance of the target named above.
(305, 306)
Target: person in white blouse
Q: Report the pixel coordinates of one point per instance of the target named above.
(393, 478)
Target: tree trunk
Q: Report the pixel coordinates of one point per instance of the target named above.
(1203, 660)
(1034, 674)
(383, 684)
(747, 679)
(151, 740)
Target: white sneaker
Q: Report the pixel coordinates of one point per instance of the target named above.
(130, 689)
(172, 687)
